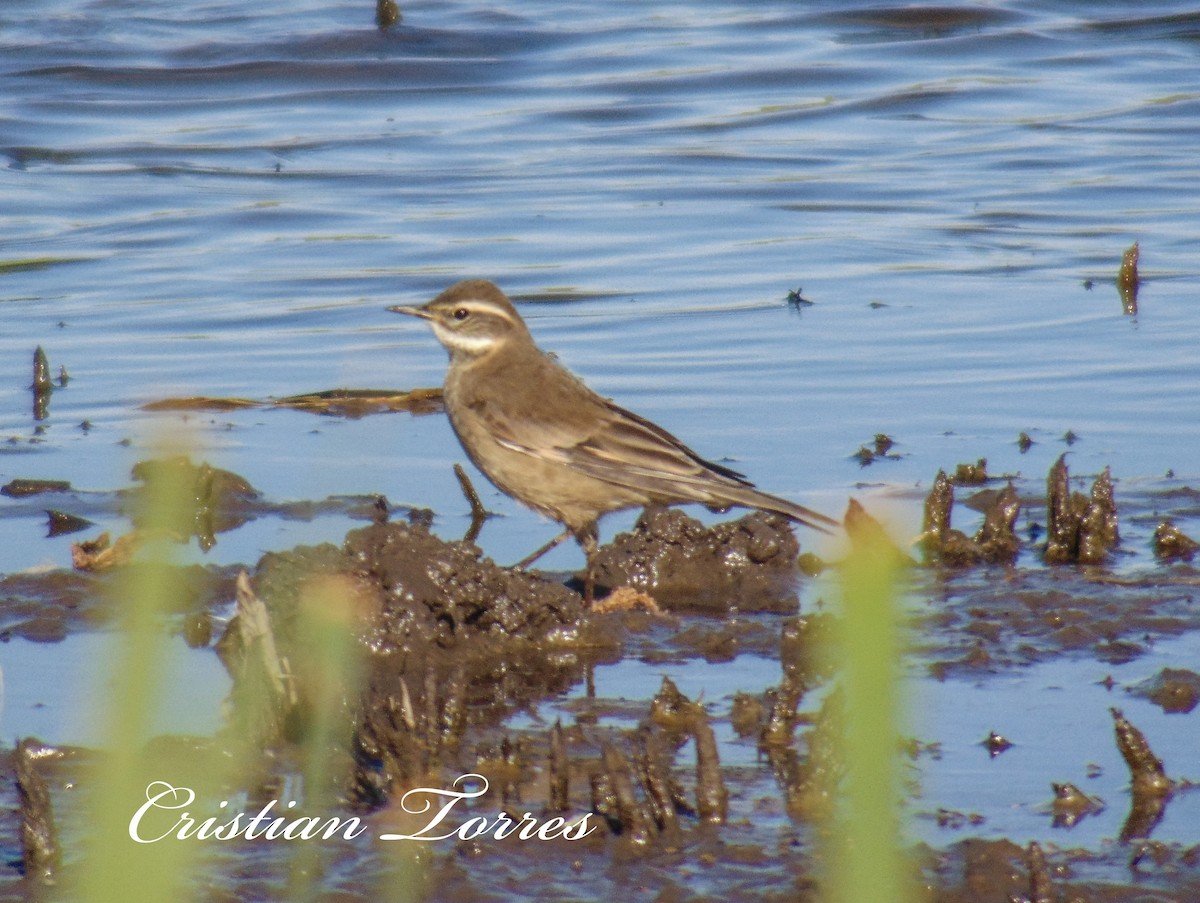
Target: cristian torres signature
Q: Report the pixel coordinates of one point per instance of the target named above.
(167, 814)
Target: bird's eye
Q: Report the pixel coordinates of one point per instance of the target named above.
(462, 313)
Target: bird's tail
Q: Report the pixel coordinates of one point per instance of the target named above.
(749, 497)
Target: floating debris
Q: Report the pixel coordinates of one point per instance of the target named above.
(1024, 443)
(1071, 804)
(1128, 281)
(970, 474)
(880, 448)
(201, 403)
(995, 744)
(60, 523)
(387, 14)
(626, 598)
(1171, 543)
(101, 554)
(795, 299)
(20, 488)
(351, 403)
(356, 403)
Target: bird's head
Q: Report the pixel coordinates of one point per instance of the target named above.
(471, 318)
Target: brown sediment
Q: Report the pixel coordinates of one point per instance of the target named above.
(996, 540)
(746, 714)
(1149, 777)
(209, 500)
(712, 799)
(1041, 888)
(1079, 529)
(102, 553)
(937, 508)
(447, 668)
(40, 851)
(1174, 689)
(1171, 543)
(264, 694)
(664, 795)
(748, 563)
(627, 814)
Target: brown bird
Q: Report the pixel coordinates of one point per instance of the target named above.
(544, 438)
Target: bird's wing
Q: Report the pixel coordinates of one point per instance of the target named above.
(570, 424)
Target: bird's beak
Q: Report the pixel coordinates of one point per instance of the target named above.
(412, 312)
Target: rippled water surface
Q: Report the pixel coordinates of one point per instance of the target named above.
(220, 198)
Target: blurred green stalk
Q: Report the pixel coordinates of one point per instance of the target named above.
(866, 846)
(115, 867)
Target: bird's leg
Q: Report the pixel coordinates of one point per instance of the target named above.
(552, 544)
(588, 538)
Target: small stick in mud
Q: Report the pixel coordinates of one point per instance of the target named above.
(629, 814)
(664, 796)
(712, 798)
(559, 771)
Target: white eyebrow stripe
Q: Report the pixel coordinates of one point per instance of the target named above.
(488, 307)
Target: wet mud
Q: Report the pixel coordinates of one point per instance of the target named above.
(460, 658)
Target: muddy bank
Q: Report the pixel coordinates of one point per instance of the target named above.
(472, 668)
